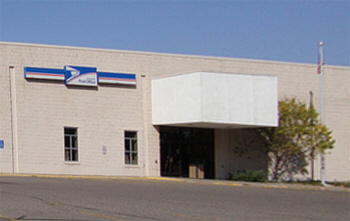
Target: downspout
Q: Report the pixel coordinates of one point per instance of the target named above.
(146, 159)
(12, 78)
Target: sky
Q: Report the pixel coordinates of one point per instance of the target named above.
(276, 30)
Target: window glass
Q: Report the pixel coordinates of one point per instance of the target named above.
(127, 158)
(74, 155)
(74, 141)
(134, 145)
(134, 158)
(127, 145)
(66, 141)
(66, 155)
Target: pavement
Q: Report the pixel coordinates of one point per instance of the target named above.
(191, 180)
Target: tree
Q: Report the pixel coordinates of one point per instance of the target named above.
(319, 137)
(294, 142)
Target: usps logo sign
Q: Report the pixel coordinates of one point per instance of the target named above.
(85, 76)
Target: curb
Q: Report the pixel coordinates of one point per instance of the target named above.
(187, 180)
(88, 177)
(297, 186)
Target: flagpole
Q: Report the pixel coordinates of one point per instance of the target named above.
(321, 63)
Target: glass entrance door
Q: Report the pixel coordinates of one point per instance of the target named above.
(185, 148)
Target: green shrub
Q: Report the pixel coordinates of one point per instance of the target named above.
(250, 175)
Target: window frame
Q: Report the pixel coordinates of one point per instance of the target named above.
(131, 148)
(72, 147)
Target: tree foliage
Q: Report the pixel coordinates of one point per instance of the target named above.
(292, 144)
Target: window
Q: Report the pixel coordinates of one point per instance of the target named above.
(130, 139)
(70, 144)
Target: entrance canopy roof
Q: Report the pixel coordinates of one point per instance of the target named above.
(215, 100)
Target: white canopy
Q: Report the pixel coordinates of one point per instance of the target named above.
(215, 100)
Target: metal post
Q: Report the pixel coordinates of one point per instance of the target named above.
(323, 175)
(312, 138)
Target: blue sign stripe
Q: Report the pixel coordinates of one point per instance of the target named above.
(117, 75)
(43, 70)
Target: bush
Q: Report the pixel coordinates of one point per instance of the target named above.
(250, 175)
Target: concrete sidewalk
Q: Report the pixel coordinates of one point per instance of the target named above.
(189, 180)
(262, 185)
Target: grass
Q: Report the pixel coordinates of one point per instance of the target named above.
(340, 184)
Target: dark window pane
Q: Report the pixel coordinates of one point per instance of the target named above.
(129, 134)
(134, 145)
(134, 158)
(66, 155)
(66, 141)
(74, 141)
(127, 144)
(70, 131)
(127, 158)
(74, 155)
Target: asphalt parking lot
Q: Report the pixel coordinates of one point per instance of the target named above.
(124, 198)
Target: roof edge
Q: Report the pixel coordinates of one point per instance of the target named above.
(166, 54)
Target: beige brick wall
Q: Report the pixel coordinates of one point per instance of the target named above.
(44, 108)
(101, 115)
(5, 119)
(228, 156)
